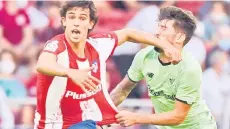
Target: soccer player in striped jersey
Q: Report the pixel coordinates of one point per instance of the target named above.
(71, 84)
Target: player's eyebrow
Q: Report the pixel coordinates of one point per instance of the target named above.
(70, 13)
(84, 15)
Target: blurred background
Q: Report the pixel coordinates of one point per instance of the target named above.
(25, 26)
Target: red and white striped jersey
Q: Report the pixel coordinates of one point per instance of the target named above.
(60, 102)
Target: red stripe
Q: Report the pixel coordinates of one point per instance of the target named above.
(43, 84)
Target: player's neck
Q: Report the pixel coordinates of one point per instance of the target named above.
(78, 48)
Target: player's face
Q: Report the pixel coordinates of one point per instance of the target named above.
(167, 31)
(77, 23)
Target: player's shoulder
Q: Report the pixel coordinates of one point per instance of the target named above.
(102, 37)
(57, 42)
(96, 40)
(110, 34)
(147, 52)
(190, 64)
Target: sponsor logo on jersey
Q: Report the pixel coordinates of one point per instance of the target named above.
(171, 80)
(161, 93)
(75, 95)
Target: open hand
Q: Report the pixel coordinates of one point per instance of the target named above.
(83, 78)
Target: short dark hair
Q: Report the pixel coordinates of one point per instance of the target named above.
(84, 4)
(184, 20)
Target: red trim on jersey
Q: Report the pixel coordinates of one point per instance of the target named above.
(116, 42)
(43, 84)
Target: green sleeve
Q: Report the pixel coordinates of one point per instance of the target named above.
(135, 70)
(189, 87)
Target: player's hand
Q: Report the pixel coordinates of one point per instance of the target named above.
(83, 78)
(127, 118)
(173, 53)
(170, 51)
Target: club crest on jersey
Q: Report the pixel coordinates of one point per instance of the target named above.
(51, 46)
(171, 79)
(95, 66)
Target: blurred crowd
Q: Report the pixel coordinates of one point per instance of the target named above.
(25, 26)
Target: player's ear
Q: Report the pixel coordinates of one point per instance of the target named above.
(63, 20)
(91, 24)
(180, 38)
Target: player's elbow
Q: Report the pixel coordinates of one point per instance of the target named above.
(178, 121)
(179, 118)
(41, 67)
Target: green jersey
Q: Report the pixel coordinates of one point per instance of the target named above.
(167, 83)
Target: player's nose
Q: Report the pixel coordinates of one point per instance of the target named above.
(158, 31)
(76, 22)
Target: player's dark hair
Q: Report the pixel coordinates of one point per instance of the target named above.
(184, 20)
(84, 4)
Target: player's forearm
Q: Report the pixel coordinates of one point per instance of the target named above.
(118, 95)
(54, 69)
(145, 38)
(167, 118)
(122, 90)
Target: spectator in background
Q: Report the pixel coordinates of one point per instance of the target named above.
(38, 19)
(197, 48)
(54, 27)
(217, 17)
(12, 86)
(216, 82)
(6, 115)
(222, 37)
(15, 33)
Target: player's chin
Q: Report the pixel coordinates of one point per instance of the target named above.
(75, 40)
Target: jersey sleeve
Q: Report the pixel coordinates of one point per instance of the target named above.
(135, 70)
(189, 88)
(105, 44)
(54, 46)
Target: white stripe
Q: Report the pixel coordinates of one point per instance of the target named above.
(55, 94)
(103, 45)
(92, 112)
(49, 126)
(104, 85)
(102, 58)
(36, 120)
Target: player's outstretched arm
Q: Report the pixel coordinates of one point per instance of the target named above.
(122, 90)
(137, 36)
(47, 65)
(175, 117)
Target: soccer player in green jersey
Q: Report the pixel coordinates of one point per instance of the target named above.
(174, 89)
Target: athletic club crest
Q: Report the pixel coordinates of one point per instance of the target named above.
(95, 66)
